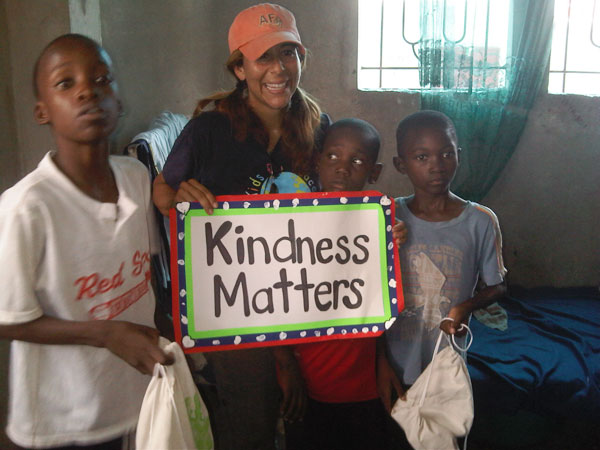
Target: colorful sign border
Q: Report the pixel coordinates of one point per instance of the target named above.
(285, 334)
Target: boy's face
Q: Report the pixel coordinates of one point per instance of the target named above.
(346, 164)
(429, 157)
(77, 95)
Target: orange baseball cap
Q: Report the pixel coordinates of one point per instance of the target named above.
(258, 28)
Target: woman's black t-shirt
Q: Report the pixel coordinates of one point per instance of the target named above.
(207, 151)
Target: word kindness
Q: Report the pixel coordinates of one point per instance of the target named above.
(230, 245)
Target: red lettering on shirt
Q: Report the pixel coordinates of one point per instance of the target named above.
(138, 261)
(116, 306)
(92, 285)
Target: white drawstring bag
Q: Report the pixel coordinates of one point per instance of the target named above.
(173, 415)
(439, 405)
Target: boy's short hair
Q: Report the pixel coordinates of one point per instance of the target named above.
(420, 120)
(370, 133)
(65, 37)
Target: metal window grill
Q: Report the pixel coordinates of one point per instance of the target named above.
(567, 66)
(474, 64)
(465, 66)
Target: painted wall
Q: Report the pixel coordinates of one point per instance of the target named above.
(168, 54)
(29, 29)
(9, 150)
(547, 204)
(24, 31)
(548, 196)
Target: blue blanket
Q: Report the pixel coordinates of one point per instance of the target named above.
(547, 362)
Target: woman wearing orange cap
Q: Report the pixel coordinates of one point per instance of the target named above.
(261, 137)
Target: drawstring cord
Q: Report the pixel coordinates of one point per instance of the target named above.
(462, 350)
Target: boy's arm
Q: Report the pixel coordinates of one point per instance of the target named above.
(461, 312)
(386, 377)
(293, 404)
(491, 271)
(135, 344)
(399, 232)
(165, 197)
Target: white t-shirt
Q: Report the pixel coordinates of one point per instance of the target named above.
(66, 255)
(441, 263)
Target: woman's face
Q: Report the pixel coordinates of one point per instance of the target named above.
(272, 79)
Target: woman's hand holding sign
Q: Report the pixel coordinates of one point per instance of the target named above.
(165, 197)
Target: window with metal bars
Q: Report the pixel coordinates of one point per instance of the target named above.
(575, 58)
(474, 47)
(399, 47)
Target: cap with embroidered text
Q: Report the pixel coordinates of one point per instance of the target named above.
(258, 28)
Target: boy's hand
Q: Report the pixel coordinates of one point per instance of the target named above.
(194, 191)
(399, 233)
(459, 315)
(386, 381)
(294, 403)
(136, 344)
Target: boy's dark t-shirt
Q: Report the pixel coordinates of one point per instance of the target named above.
(207, 151)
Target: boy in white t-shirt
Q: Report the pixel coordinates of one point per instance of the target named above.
(75, 241)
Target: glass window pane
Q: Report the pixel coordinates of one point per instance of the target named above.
(396, 51)
(487, 20)
(559, 34)
(555, 83)
(369, 24)
(405, 79)
(582, 83)
(368, 79)
(498, 33)
(581, 54)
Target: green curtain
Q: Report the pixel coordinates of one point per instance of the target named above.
(459, 79)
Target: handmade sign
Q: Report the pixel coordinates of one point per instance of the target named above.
(283, 269)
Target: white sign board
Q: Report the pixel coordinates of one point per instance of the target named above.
(279, 269)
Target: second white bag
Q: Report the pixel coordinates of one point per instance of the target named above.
(173, 415)
(439, 405)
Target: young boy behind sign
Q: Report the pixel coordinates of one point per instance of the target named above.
(344, 409)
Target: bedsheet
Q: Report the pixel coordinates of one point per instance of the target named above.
(546, 362)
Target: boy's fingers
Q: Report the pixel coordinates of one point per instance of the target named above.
(386, 398)
(285, 404)
(167, 359)
(398, 387)
(292, 411)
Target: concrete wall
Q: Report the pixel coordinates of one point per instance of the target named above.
(25, 28)
(9, 149)
(168, 54)
(548, 196)
(30, 26)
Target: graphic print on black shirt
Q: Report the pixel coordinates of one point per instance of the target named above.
(206, 151)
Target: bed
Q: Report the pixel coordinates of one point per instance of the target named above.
(537, 384)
